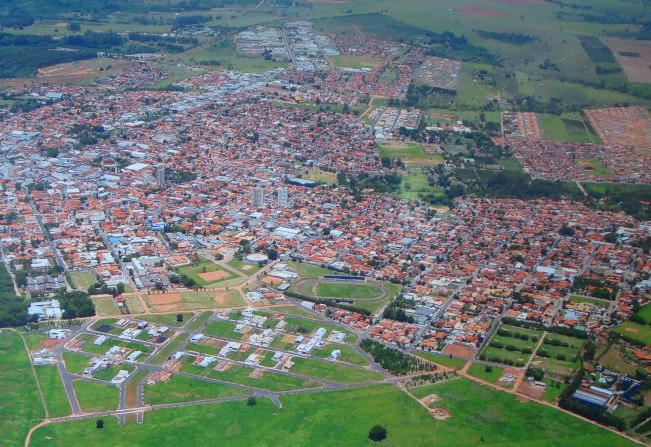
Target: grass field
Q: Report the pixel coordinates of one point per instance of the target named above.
(167, 319)
(441, 359)
(478, 370)
(348, 354)
(296, 311)
(224, 329)
(240, 374)
(598, 168)
(196, 269)
(410, 154)
(644, 313)
(21, 407)
(320, 176)
(310, 271)
(184, 389)
(199, 321)
(344, 418)
(553, 390)
(586, 299)
(95, 396)
(344, 290)
(332, 371)
(75, 363)
(245, 267)
(105, 306)
(635, 331)
(56, 399)
(34, 339)
(616, 359)
(82, 280)
(567, 127)
(354, 61)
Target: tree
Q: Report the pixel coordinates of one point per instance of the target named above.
(377, 433)
(251, 401)
(179, 318)
(99, 423)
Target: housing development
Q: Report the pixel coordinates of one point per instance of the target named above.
(294, 224)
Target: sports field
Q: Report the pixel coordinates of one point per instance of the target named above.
(342, 290)
(479, 416)
(206, 273)
(193, 299)
(634, 331)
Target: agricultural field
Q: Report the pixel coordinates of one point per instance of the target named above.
(21, 406)
(509, 422)
(511, 345)
(559, 354)
(185, 389)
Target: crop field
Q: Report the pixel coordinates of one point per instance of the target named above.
(56, 399)
(95, 396)
(184, 389)
(559, 360)
(306, 417)
(21, 406)
(511, 349)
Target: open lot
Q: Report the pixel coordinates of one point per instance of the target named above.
(354, 61)
(332, 371)
(191, 299)
(21, 406)
(105, 306)
(95, 396)
(56, 399)
(478, 412)
(184, 389)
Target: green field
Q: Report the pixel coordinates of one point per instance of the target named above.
(344, 290)
(240, 374)
(478, 370)
(354, 61)
(75, 363)
(96, 397)
(332, 371)
(105, 306)
(56, 399)
(553, 390)
(199, 321)
(167, 319)
(305, 270)
(21, 406)
(320, 176)
(195, 269)
(224, 329)
(635, 331)
(108, 373)
(567, 127)
(101, 349)
(344, 418)
(82, 280)
(348, 354)
(245, 267)
(441, 359)
(410, 154)
(598, 168)
(586, 299)
(184, 389)
(644, 313)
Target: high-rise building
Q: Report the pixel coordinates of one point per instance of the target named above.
(283, 197)
(160, 176)
(257, 195)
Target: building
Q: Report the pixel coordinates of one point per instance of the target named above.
(257, 195)
(160, 176)
(283, 197)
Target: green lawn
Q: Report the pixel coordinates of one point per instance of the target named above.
(343, 418)
(478, 370)
(635, 331)
(167, 319)
(184, 389)
(21, 406)
(95, 396)
(441, 359)
(345, 290)
(333, 372)
(82, 280)
(34, 339)
(553, 390)
(56, 399)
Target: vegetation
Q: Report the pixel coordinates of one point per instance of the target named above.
(397, 362)
(184, 389)
(13, 309)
